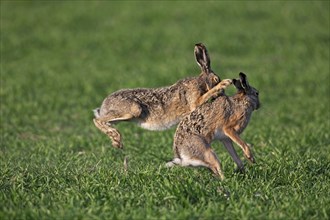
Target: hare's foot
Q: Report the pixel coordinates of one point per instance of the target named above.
(224, 84)
(239, 169)
(112, 133)
(175, 161)
(115, 137)
(217, 172)
(248, 154)
(249, 157)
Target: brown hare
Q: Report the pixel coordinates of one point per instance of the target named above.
(223, 119)
(159, 108)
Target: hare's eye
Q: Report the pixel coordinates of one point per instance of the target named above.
(257, 93)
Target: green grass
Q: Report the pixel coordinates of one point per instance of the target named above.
(60, 59)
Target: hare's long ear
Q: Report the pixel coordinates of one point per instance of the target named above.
(244, 81)
(202, 57)
(238, 85)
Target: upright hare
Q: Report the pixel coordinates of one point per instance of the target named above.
(223, 119)
(159, 108)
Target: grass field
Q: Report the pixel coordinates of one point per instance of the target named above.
(60, 59)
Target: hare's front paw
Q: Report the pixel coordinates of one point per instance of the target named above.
(226, 82)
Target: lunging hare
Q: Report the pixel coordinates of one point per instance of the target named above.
(159, 108)
(223, 119)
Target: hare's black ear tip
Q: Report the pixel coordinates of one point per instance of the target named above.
(199, 45)
(242, 75)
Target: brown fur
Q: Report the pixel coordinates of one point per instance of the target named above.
(223, 119)
(159, 108)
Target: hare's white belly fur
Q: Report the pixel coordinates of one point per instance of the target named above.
(188, 161)
(157, 125)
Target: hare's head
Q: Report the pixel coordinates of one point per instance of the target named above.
(208, 77)
(246, 90)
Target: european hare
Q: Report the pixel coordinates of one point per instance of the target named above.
(159, 108)
(223, 119)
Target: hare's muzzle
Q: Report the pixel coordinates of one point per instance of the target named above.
(258, 106)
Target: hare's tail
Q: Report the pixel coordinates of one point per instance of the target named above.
(96, 112)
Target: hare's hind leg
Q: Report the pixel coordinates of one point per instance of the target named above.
(208, 158)
(105, 123)
(230, 148)
(211, 159)
(196, 152)
(112, 133)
